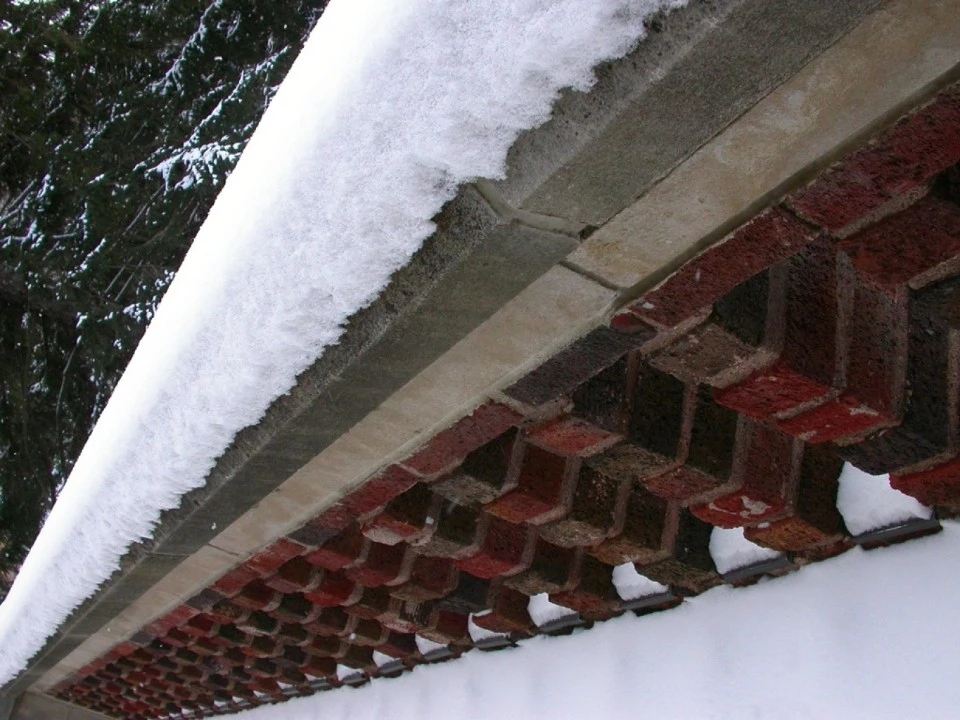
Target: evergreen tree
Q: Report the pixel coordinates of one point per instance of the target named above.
(120, 121)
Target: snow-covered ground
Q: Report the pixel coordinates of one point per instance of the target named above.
(391, 105)
(866, 636)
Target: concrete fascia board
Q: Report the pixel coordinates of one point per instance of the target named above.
(697, 71)
(32, 706)
(395, 376)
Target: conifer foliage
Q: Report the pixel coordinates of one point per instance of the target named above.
(119, 122)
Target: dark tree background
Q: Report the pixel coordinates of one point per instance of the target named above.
(119, 122)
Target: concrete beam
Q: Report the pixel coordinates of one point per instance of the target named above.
(31, 706)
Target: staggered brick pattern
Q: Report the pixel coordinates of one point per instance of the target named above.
(825, 329)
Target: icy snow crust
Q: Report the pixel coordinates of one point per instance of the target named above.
(391, 105)
(866, 636)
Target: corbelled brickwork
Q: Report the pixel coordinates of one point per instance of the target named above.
(825, 329)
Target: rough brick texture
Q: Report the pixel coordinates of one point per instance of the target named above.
(918, 147)
(728, 395)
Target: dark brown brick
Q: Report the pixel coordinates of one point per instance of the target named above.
(552, 569)
(604, 400)
(597, 511)
(690, 568)
(717, 437)
(430, 578)
(575, 365)
(458, 532)
(296, 575)
(649, 526)
(544, 489)
(485, 473)
(404, 519)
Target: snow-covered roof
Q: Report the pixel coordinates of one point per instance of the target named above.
(388, 109)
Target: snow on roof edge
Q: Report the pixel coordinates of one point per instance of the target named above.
(390, 106)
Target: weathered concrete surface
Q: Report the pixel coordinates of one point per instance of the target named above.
(445, 335)
(40, 707)
(697, 71)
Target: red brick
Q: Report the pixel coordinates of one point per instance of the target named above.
(937, 486)
(373, 603)
(765, 482)
(571, 436)
(384, 565)
(332, 621)
(258, 596)
(448, 449)
(918, 147)
(769, 392)
(200, 626)
(916, 247)
(544, 489)
(575, 365)
(267, 561)
(595, 597)
(430, 578)
(296, 575)
(447, 628)
(810, 362)
(507, 612)
(177, 638)
(328, 524)
(597, 512)
(767, 239)
(335, 589)
(404, 519)
(341, 551)
(507, 550)
(235, 580)
(813, 519)
(375, 493)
